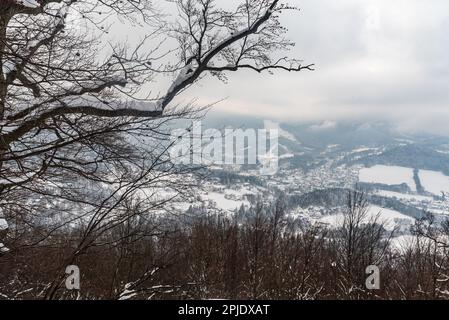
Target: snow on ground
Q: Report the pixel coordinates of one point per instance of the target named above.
(404, 196)
(220, 198)
(182, 206)
(403, 242)
(287, 156)
(240, 192)
(226, 204)
(434, 181)
(389, 217)
(362, 149)
(390, 175)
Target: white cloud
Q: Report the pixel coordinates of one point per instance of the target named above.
(374, 58)
(325, 125)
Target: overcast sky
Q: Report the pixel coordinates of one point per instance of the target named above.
(374, 59)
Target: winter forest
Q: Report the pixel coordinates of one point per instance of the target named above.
(90, 95)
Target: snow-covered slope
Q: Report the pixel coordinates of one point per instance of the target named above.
(434, 182)
(390, 175)
(390, 218)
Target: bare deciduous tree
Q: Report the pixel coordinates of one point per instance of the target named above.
(84, 125)
(361, 241)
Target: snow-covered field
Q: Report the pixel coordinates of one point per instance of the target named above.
(222, 202)
(403, 242)
(434, 182)
(390, 218)
(404, 196)
(390, 175)
(367, 150)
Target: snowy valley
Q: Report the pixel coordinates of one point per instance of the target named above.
(315, 176)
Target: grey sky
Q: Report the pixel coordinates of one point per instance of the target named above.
(375, 58)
